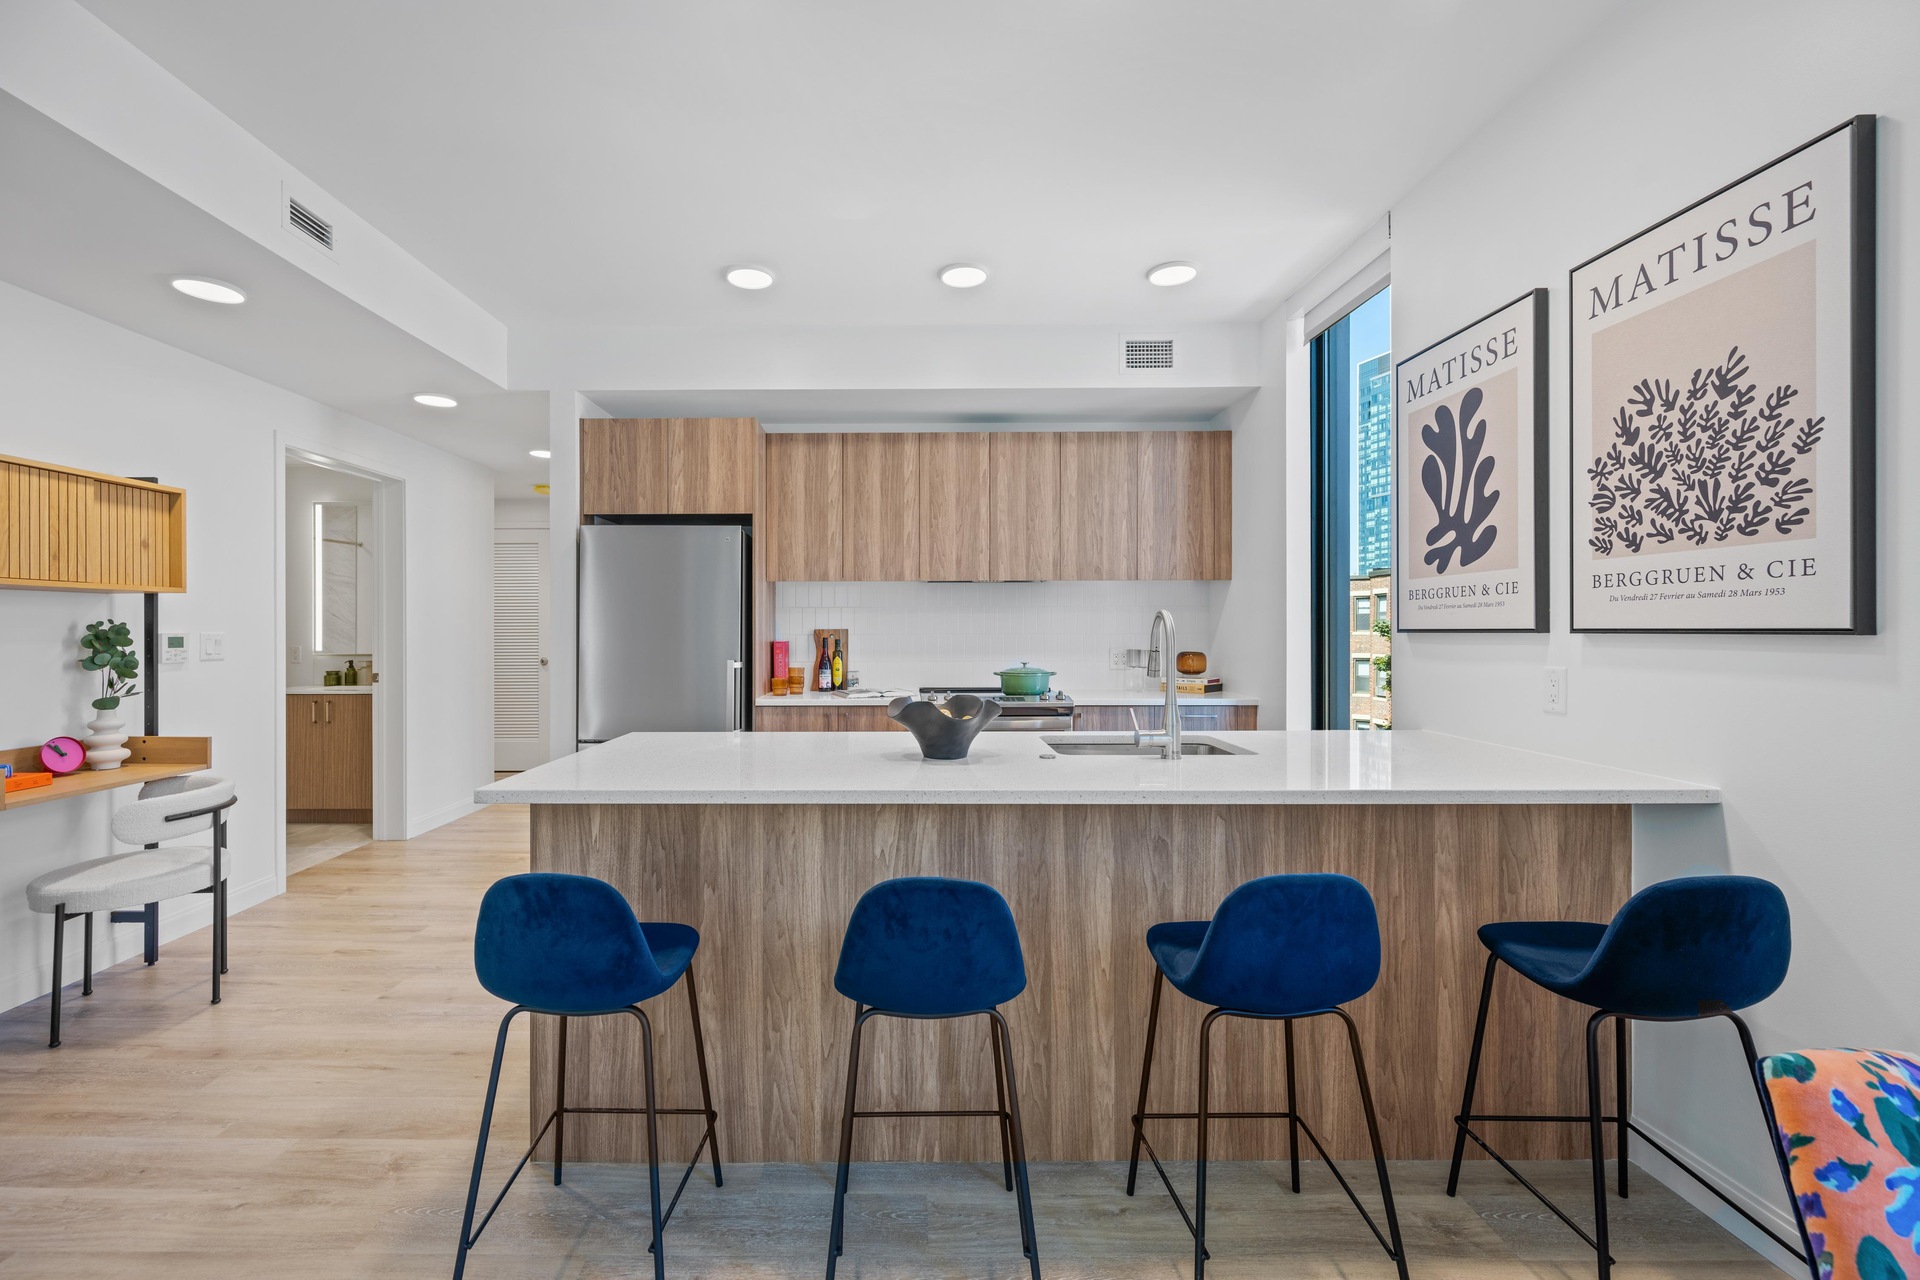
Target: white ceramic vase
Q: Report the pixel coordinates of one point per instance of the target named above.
(106, 744)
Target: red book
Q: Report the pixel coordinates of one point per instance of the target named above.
(779, 661)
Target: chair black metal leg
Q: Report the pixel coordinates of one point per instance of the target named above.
(1022, 1180)
(560, 1106)
(1596, 1129)
(224, 955)
(1473, 1076)
(150, 929)
(836, 1236)
(706, 1089)
(1146, 1074)
(1000, 1104)
(1200, 1254)
(86, 959)
(480, 1148)
(59, 945)
(1620, 1100)
(1397, 1249)
(1773, 1140)
(658, 1248)
(1293, 1115)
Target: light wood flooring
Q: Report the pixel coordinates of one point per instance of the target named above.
(311, 843)
(319, 1123)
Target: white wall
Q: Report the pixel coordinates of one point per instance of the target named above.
(306, 485)
(76, 390)
(901, 635)
(1810, 739)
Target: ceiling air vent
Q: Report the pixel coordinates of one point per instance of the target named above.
(309, 224)
(1146, 353)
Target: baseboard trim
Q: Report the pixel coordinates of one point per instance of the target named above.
(1676, 1181)
(423, 823)
(329, 815)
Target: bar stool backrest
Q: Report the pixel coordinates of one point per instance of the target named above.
(931, 947)
(1693, 946)
(563, 944)
(1290, 942)
(144, 821)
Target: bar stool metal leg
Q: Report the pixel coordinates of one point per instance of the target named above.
(706, 1090)
(836, 1236)
(1620, 1100)
(658, 1248)
(1200, 1156)
(1146, 1073)
(560, 1105)
(1396, 1248)
(1596, 1128)
(1293, 1116)
(1030, 1241)
(1460, 1121)
(467, 1233)
(1000, 1102)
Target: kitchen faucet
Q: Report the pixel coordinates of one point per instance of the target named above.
(1169, 740)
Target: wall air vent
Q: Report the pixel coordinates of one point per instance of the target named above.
(309, 224)
(1146, 353)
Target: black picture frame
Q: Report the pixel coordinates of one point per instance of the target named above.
(1539, 480)
(1862, 424)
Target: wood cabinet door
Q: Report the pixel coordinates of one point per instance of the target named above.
(1023, 506)
(871, 720)
(880, 507)
(803, 507)
(623, 467)
(668, 466)
(799, 719)
(1099, 504)
(306, 751)
(954, 500)
(1104, 720)
(1184, 533)
(347, 774)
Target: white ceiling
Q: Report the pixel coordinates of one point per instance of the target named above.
(599, 161)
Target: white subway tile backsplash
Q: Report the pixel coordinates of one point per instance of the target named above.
(906, 634)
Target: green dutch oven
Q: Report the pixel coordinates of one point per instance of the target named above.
(1025, 680)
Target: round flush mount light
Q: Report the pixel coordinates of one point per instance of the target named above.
(1168, 274)
(962, 275)
(209, 290)
(437, 402)
(749, 277)
(540, 453)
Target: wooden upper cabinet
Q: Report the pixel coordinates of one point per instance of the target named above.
(1186, 505)
(880, 507)
(67, 529)
(1099, 504)
(1023, 505)
(803, 507)
(953, 506)
(668, 466)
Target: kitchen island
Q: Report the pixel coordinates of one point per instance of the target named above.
(764, 842)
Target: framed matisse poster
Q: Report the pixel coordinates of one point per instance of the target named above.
(1723, 407)
(1470, 476)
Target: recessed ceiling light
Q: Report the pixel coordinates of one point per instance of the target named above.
(1172, 273)
(962, 275)
(541, 453)
(209, 290)
(749, 277)
(437, 402)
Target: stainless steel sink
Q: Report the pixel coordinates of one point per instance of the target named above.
(1113, 744)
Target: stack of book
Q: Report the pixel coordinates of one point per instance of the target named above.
(1196, 684)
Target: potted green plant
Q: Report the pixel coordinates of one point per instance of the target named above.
(107, 647)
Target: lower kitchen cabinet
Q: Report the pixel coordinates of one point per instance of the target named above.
(330, 757)
(816, 719)
(1200, 719)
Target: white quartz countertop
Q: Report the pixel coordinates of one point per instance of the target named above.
(1286, 767)
(331, 688)
(1098, 698)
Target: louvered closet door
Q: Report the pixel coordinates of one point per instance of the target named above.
(519, 648)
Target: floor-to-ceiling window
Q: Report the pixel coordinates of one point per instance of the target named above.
(1353, 519)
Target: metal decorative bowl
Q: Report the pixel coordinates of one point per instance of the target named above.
(944, 730)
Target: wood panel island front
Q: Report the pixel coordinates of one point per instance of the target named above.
(764, 842)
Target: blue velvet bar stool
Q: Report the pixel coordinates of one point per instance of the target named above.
(570, 947)
(924, 947)
(1678, 951)
(1279, 949)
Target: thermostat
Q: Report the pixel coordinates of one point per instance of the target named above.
(173, 647)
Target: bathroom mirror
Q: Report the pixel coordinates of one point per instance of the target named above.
(336, 578)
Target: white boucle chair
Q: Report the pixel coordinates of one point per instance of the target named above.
(165, 810)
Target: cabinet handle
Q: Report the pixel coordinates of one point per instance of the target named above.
(313, 711)
(329, 702)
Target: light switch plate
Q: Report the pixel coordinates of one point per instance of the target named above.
(173, 647)
(1555, 691)
(213, 646)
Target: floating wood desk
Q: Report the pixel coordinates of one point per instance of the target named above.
(152, 759)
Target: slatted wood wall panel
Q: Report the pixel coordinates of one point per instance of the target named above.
(75, 530)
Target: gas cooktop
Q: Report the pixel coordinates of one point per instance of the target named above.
(1051, 698)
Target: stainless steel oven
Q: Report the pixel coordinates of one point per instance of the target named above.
(1039, 713)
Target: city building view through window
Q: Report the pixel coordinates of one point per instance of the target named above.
(1370, 571)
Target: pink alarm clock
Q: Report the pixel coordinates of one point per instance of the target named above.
(63, 755)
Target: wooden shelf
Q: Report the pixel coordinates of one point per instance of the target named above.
(152, 758)
(65, 529)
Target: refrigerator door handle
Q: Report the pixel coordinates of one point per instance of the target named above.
(734, 667)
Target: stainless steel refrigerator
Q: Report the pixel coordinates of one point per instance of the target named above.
(664, 628)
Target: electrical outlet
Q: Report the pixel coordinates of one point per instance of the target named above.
(1116, 659)
(1556, 691)
(213, 646)
(295, 653)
